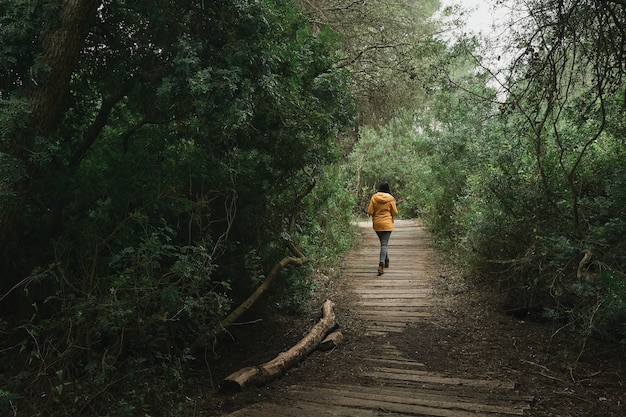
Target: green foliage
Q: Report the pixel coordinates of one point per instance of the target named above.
(389, 47)
(520, 192)
(13, 118)
(187, 143)
(326, 231)
(132, 327)
(19, 25)
(294, 294)
(525, 218)
(329, 229)
(392, 154)
(518, 196)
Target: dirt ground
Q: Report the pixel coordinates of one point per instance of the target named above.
(470, 335)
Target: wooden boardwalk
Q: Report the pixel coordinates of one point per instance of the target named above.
(393, 385)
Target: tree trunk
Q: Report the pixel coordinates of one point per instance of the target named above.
(61, 49)
(262, 374)
(61, 46)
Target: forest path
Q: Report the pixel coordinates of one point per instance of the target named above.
(377, 371)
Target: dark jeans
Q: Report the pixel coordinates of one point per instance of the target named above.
(384, 245)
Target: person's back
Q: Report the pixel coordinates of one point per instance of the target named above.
(383, 209)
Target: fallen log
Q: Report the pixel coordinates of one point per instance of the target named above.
(243, 307)
(331, 342)
(262, 374)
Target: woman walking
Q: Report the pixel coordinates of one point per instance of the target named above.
(383, 209)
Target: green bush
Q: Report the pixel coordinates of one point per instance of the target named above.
(132, 326)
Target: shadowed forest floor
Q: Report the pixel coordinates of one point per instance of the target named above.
(465, 334)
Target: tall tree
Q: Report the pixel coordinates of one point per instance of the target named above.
(389, 47)
(574, 62)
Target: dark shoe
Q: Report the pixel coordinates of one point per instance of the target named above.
(387, 263)
(381, 268)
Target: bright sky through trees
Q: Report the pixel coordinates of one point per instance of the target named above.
(481, 17)
(490, 22)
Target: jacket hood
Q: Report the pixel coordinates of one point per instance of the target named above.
(381, 197)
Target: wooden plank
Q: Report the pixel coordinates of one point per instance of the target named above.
(319, 408)
(263, 410)
(395, 314)
(375, 332)
(408, 309)
(385, 327)
(502, 397)
(396, 296)
(393, 326)
(410, 398)
(393, 286)
(303, 408)
(426, 397)
(407, 269)
(393, 292)
(371, 280)
(396, 374)
(404, 304)
(398, 405)
(395, 322)
(403, 363)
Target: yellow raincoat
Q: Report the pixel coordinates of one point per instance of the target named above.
(383, 209)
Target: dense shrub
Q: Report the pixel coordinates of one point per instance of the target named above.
(166, 166)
